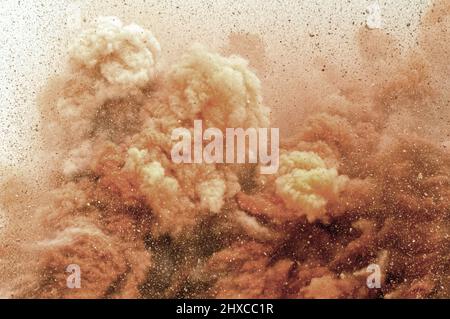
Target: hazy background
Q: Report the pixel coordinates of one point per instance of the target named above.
(34, 37)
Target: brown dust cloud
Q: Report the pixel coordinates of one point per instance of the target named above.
(364, 175)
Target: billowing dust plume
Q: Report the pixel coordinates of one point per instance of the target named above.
(365, 180)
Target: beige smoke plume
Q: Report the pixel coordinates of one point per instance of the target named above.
(358, 184)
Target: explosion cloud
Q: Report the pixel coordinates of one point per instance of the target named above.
(358, 183)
